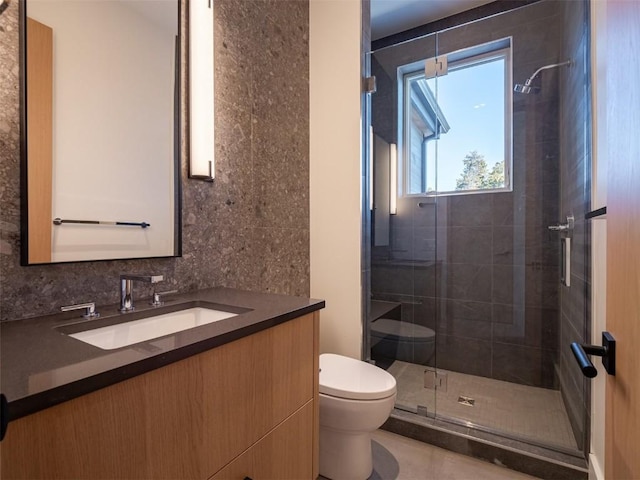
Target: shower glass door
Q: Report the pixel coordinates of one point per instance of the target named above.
(403, 249)
(478, 173)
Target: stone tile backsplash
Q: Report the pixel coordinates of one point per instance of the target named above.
(250, 228)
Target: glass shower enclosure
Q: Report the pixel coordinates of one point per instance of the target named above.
(479, 247)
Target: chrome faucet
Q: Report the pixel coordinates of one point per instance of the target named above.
(89, 309)
(126, 289)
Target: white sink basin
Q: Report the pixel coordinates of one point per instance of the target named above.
(136, 331)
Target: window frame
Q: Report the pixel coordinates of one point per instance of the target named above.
(464, 58)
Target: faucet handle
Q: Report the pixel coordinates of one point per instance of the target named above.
(157, 300)
(90, 311)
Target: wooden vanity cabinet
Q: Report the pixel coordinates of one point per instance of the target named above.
(248, 408)
(284, 453)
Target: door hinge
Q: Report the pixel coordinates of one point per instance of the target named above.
(422, 411)
(436, 67)
(369, 84)
(434, 380)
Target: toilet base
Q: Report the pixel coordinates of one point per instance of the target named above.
(344, 455)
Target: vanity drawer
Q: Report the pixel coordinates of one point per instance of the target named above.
(285, 453)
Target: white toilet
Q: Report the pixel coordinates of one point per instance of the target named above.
(355, 399)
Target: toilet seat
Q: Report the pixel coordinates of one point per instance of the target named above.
(347, 378)
(398, 330)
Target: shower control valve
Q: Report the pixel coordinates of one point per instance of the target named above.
(563, 227)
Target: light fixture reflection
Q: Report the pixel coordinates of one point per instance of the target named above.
(393, 179)
(201, 88)
(371, 205)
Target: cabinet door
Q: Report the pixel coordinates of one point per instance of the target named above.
(285, 453)
(283, 366)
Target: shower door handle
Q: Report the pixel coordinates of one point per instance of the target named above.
(563, 227)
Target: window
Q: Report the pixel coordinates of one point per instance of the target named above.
(456, 126)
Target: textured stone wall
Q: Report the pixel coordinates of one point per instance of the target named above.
(248, 230)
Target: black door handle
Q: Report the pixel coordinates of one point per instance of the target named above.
(607, 351)
(4, 415)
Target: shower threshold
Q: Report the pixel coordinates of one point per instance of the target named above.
(482, 431)
(465, 438)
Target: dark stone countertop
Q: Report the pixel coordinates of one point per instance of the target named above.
(42, 367)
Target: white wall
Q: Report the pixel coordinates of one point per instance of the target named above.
(335, 171)
(598, 234)
(112, 151)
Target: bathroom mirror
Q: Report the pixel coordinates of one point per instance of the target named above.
(100, 112)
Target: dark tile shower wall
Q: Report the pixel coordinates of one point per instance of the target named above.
(249, 229)
(482, 269)
(575, 174)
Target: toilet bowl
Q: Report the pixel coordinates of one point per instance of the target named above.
(403, 341)
(355, 399)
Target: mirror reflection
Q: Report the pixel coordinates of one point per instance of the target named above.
(102, 102)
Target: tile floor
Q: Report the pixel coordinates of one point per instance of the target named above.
(399, 458)
(518, 410)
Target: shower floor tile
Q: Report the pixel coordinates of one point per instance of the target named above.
(520, 411)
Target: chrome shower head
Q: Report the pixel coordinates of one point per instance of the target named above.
(527, 87)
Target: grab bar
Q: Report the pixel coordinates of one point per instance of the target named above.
(59, 221)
